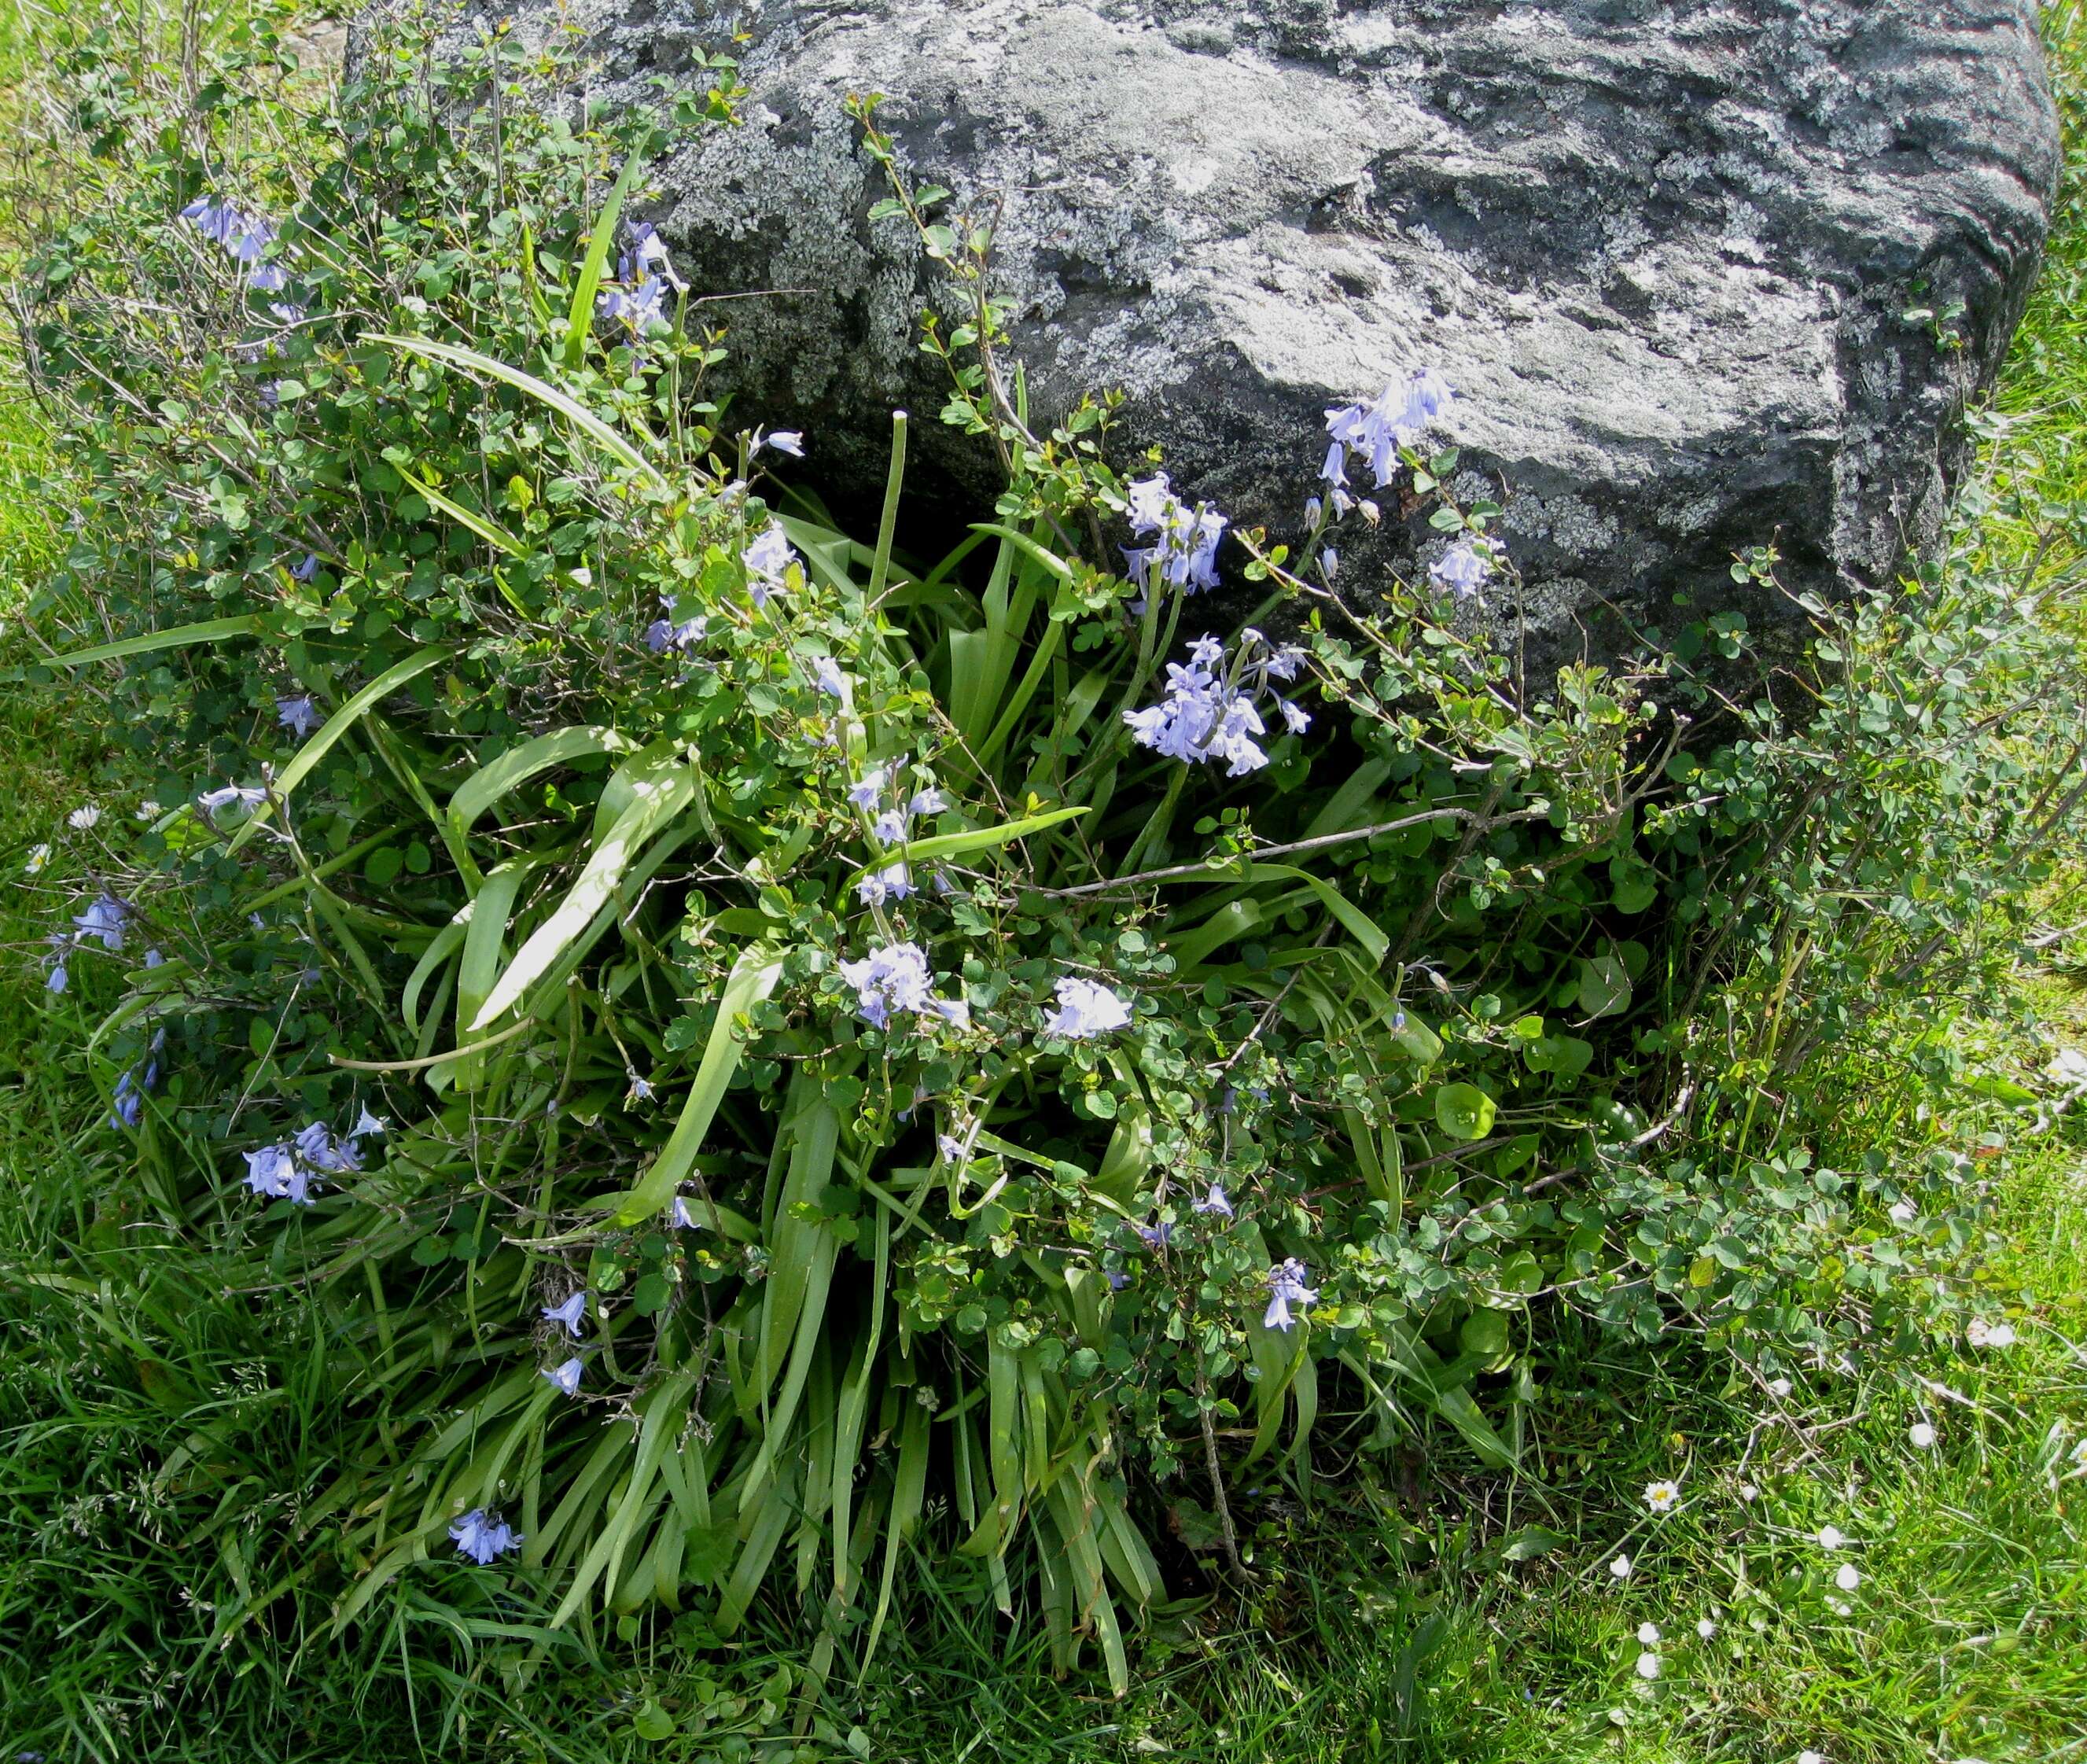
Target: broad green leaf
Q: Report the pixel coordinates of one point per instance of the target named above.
(209, 632)
(1605, 987)
(1464, 1110)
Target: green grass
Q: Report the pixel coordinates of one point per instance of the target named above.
(1383, 1621)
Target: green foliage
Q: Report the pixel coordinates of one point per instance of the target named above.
(1428, 996)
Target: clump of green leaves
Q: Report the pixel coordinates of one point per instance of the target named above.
(620, 764)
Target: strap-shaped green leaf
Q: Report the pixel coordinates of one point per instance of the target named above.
(753, 978)
(579, 321)
(980, 839)
(337, 726)
(566, 406)
(515, 767)
(209, 632)
(662, 793)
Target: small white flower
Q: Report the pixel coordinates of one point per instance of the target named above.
(1811, 1757)
(1831, 1537)
(1648, 1634)
(1648, 1666)
(1847, 1576)
(1903, 1212)
(1780, 1387)
(1749, 1491)
(1921, 1435)
(2080, 1455)
(1662, 1496)
(1981, 1334)
(39, 856)
(1840, 1608)
(1705, 1628)
(1620, 1568)
(83, 817)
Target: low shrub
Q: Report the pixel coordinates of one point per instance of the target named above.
(757, 1051)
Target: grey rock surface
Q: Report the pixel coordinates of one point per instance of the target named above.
(1664, 252)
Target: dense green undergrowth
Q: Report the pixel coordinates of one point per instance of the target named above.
(170, 1416)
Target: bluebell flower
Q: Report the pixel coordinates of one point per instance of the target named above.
(789, 441)
(306, 567)
(1296, 721)
(1186, 540)
(680, 1218)
(275, 1171)
(1215, 1201)
(568, 1311)
(892, 978)
(482, 1537)
(567, 1376)
(1086, 1009)
(154, 958)
(57, 979)
(894, 882)
(767, 561)
(889, 828)
(1462, 570)
(665, 634)
(868, 791)
(1157, 1236)
(640, 1089)
(246, 795)
(926, 802)
(649, 251)
(1285, 1288)
(827, 673)
(1116, 1278)
(1329, 560)
(103, 920)
(1377, 431)
(317, 1146)
(366, 1124)
(298, 714)
(1335, 470)
(130, 1103)
(642, 303)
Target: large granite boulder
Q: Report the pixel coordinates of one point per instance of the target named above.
(1671, 256)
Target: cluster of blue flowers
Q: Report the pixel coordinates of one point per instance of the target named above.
(246, 239)
(483, 1536)
(895, 977)
(134, 1085)
(287, 1170)
(1183, 551)
(1209, 710)
(646, 274)
(103, 922)
(880, 795)
(1374, 432)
